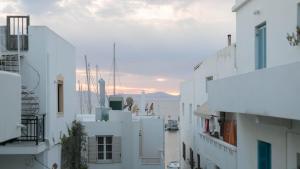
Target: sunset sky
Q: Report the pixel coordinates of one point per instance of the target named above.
(158, 41)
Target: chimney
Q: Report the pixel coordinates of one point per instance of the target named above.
(229, 39)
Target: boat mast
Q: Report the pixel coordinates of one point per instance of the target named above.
(88, 84)
(114, 68)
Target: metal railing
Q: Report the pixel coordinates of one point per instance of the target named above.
(34, 128)
(10, 63)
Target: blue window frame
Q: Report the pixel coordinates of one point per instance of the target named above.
(264, 155)
(261, 46)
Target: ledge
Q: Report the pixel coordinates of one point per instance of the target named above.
(238, 6)
(23, 148)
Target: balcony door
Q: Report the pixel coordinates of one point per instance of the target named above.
(260, 47)
(264, 155)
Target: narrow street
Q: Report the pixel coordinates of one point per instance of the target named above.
(171, 146)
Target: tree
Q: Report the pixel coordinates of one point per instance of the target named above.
(73, 148)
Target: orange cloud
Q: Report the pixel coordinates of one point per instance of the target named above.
(128, 83)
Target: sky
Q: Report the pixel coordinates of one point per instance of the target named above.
(157, 41)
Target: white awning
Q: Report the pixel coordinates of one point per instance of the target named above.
(203, 111)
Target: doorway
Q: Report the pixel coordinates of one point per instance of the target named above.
(264, 155)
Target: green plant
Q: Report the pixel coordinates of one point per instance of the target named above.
(73, 148)
(294, 39)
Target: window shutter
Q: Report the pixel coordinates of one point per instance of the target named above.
(116, 149)
(92, 150)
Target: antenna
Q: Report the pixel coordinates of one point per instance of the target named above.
(114, 68)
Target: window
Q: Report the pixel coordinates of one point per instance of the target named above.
(183, 150)
(264, 155)
(191, 112)
(104, 145)
(260, 46)
(60, 95)
(208, 79)
(182, 107)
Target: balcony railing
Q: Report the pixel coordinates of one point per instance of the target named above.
(222, 145)
(34, 128)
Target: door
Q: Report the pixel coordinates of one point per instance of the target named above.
(198, 161)
(260, 47)
(264, 155)
(192, 162)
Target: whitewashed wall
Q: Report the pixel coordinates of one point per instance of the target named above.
(121, 124)
(283, 140)
(51, 56)
(186, 128)
(10, 103)
(280, 18)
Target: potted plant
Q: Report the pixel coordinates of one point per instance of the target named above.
(294, 39)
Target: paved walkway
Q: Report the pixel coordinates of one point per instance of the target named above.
(171, 147)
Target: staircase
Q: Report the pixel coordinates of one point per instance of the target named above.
(31, 119)
(30, 102)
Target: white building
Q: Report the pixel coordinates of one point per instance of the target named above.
(204, 140)
(37, 94)
(125, 141)
(265, 93)
(261, 91)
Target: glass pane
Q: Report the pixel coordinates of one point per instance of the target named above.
(109, 140)
(100, 140)
(108, 147)
(100, 147)
(108, 155)
(100, 156)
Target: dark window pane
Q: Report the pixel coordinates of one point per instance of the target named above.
(100, 140)
(108, 147)
(109, 140)
(108, 155)
(100, 156)
(100, 147)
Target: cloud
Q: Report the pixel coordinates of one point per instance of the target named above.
(155, 38)
(129, 83)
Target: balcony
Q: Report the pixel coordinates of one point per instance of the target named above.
(32, 139)
(218, 151)
(10, 103)
(267, 92)
(34, 128)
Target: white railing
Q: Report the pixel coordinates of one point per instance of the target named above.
(222, 145)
